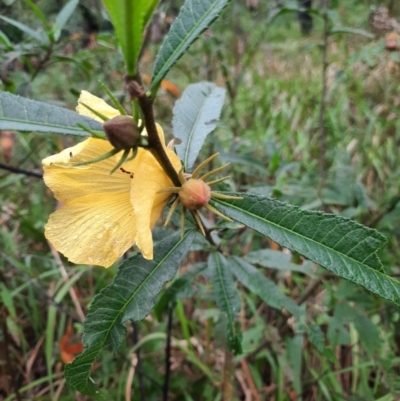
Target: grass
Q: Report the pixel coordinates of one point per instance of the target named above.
(273, 110)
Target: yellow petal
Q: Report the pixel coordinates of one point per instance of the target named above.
(69, 182)
(104, 215)
(93, 229)
(146, 202)
(160, 132)
(95, 103)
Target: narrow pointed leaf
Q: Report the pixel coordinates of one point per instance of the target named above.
(20, 114)
(277, 260)
(244, 159)
(63, 17)
(196, 115)
(227, 297)
(131, 296)
(39, 36)
(352, 31)
(339, 244)
(258, 284)
(6, 42)
(129, 18)
(38, 12)
(194, 18)
(150, 6)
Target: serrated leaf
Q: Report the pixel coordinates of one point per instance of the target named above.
(339, 244)
(131, 296)
(20, 114)
(129, 18)
(194, 18)
(196, 115)
(227, 297)
(174, 291)
(258, 284)
(63, 17)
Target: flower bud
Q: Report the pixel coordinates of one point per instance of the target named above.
(194, 194)
(122, 132)
(392, 41)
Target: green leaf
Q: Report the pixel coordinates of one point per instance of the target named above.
(4, 39)
(277, 260)
(20, 114)
(129, 18)
(279, 11)
(353, 31)
(30, 32)
(316, 337)
(196, 115)
(341, 245)
(227, 297)
(244, 160)
(38, 12)
(174, 291)
(294, 352)
(368, 332)
(63, 17)
(387, 397)
(151, 6)
(258, 284)
(194, 18)
(131, 296)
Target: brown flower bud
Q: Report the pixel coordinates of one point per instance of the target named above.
(122, 132)
(392, 41)
(194, 194)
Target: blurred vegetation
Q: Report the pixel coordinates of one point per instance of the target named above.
(271, 132)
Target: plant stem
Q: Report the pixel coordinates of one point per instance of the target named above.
(322, 135)
(168, 355)
(20, 171)
(41, 293)
(135, 337)
(157, 148)
(43, 61)
(9, 364)
(228, 375)
(232, 92)
(136, 91)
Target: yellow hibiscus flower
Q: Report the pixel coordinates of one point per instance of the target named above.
(103, 215)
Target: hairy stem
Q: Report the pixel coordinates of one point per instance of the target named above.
(155, 146)
(322, 130)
